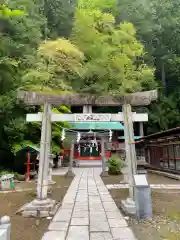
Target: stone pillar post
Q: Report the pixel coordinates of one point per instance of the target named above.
(42, 185)
(49, 136)
(128, 205)
(87, 109)
(104, 172)
(129, 145)
(51, 164)
(42, 206)
(70, 172)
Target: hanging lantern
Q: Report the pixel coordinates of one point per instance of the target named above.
(78, 136)
(97, 147)
(79, 148)
(110, 135)
(63, 135)
(91, 147)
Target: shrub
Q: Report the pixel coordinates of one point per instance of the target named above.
(115, 165)
(9, 172)
(4, 172)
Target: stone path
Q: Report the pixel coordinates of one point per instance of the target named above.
(153, 186)
(88, 212)
(60, 171)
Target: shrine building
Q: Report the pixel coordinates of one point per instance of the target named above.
(89, 149)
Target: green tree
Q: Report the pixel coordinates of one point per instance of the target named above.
(19, 36)
(59, 14)
(157, 27)
(57, 63)
(157, 24)
(113, 56)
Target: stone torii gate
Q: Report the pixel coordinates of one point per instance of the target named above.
(47, 117)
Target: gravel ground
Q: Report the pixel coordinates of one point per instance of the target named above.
(165, 224)
(152, 179)
(25, 228)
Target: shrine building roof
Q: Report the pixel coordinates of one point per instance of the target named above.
(97, 126)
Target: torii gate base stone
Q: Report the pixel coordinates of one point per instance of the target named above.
(39, 208)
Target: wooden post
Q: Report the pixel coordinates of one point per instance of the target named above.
(149, 156)
(141, 129)
(28, 167)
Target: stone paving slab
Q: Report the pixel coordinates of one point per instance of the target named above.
(101, 236)
(67, 205)
(99, 226)
(122, 234)
(54, 235)
(88, 212)
(62, 217)
(117, 223)
(80, 214)
(58, 226)
(78, 233)
(80, 208)
(115, 214)
(80, 221)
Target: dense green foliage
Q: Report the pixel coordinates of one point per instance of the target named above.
(157, 23)
(110, 46)
(111, 52)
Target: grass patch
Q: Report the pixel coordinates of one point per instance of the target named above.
(174, 216)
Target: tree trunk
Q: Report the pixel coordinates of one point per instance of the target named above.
(163, 75)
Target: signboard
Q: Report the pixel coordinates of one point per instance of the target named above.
(140, 180)
(91, 117)
(34, 117)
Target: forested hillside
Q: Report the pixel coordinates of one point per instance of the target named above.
(95, 46)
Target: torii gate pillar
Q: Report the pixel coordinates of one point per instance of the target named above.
(130, 146)
(42, 206)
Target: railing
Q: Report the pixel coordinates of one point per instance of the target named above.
(5, 228)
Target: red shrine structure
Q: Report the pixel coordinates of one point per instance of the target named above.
(89, 149)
